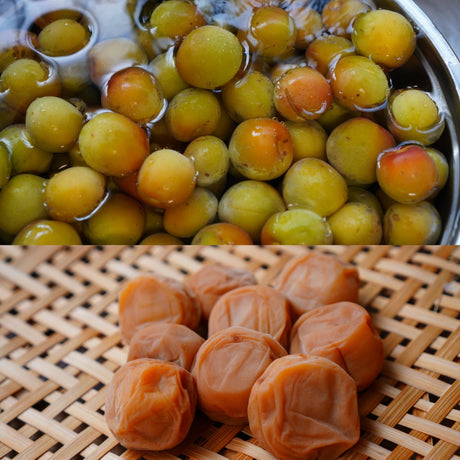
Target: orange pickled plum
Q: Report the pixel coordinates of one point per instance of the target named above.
(315, 279)
(212, 281)
(155, 299)
(347, 327)
(257, 307)
(170, 342)
(226, 367)
(304, 407)
(150, 404)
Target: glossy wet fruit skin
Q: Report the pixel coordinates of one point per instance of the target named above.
(166, 178)
(211, 159)
(5, 165)
(261, 149)
(74, 193)
(353, 148)
(385, 36)
(135, 93)
(324, 50)
(187, 218)
(17, 212)
(164, 68)
(249, 97)
(358, 83)
(221, 233)
(442, 167)
(172, 20)
(413, 115)
(407, 173)
(209, 57)
(48, 232)
(308, 139)
(63, 37)
(339, 15)
(315, 185)
(296, 226)
(248, 204)
(113, 144)
(362, 195)
(53, 123)
(192, 113)
(418, 223)
(120, 220)
(356, 223)
(271, 32)
(302, 94)
(23, 155)
(26, 79)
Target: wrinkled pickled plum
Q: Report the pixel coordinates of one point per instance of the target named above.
(407, 173)
(26, 79)
(261, 149)
(172, 20)
(413, 115)
(164, 68)
(74, 193)
(339, 15)
(108, 56)
(53, 123)
(354, 146)
(359, 83)
(417, 223)
(308, 139)
(144, 397)
(226, 367)
(249, 97)
(221, 233)
(385, 36)
(186, 219)
(314, 184)
(302, 94)
(248, 204)
(48, 232)
(304, 407)
(296, 226)
(25, 157)
(192, 113)
(166, 179)
(120, 220)
(16, 211)
(211, 159)
(356, 223)
(63, 37)
(113, 144)
(271, 32)
(325, 50)
(135, 93)
(209, 57)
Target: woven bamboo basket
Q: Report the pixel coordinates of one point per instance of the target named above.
(60, 345)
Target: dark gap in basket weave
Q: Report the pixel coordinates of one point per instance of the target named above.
(80, 428)
(98, 386)
(16, 424)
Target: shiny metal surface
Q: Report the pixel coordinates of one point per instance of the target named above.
(436, 69)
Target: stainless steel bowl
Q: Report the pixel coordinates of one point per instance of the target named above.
(436, 68)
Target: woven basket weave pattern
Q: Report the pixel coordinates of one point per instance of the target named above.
(60, 344)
